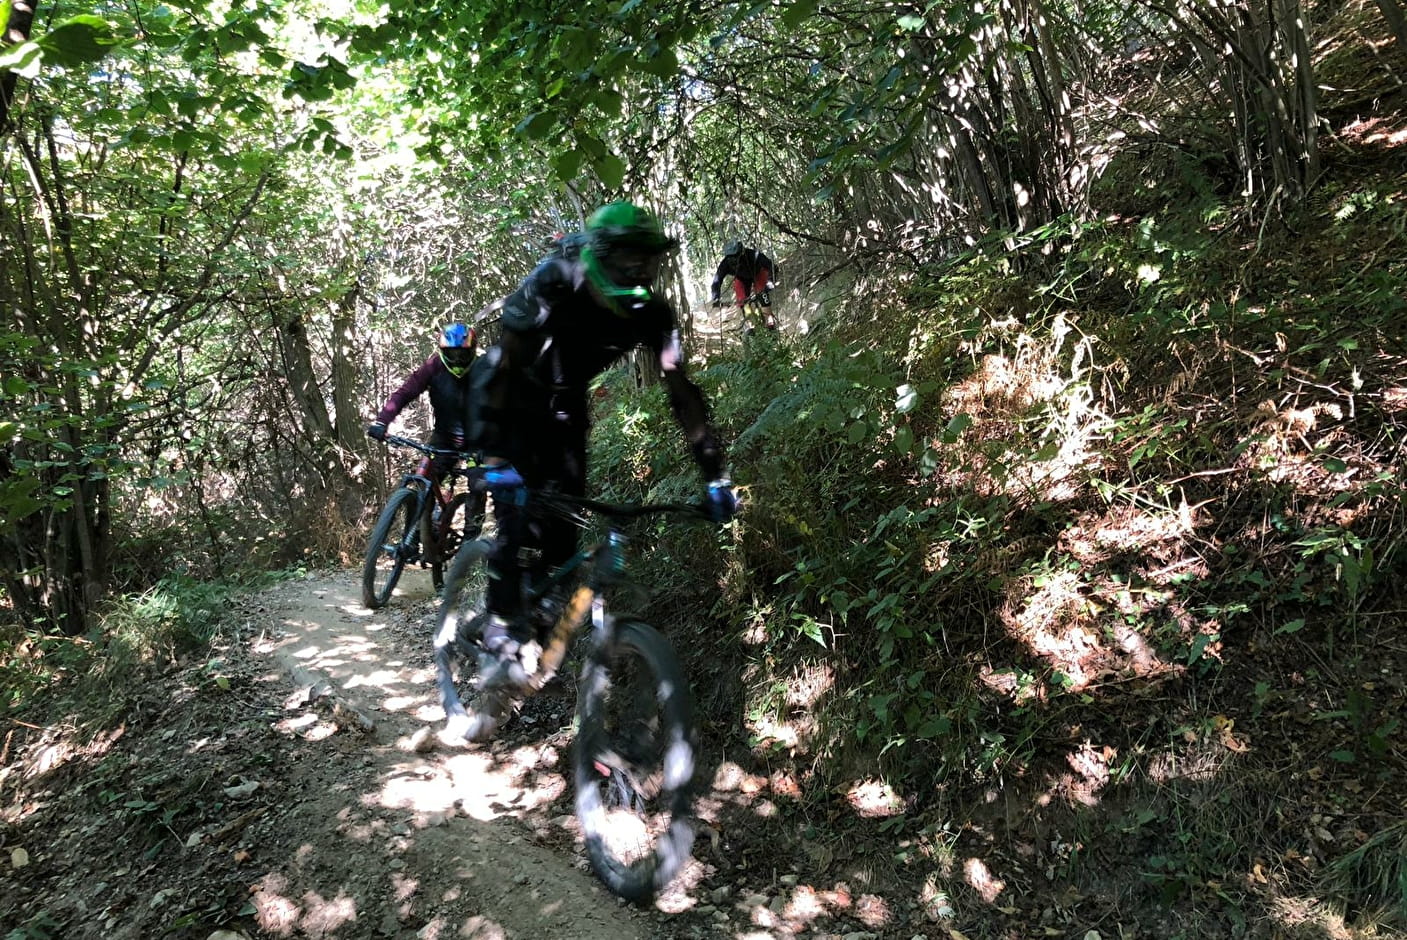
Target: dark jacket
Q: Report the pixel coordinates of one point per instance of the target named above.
(451, 397)
(556, 339)
(744, 266)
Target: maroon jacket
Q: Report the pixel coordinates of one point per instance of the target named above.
(451, 397)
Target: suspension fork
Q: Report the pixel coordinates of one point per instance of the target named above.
(422, 487)
(609, 563)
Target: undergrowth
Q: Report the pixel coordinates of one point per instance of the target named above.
(1127, 476)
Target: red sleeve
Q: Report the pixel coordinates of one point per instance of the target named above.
(412, 388)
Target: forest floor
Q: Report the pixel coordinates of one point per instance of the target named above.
(282, 790)
(298, 786)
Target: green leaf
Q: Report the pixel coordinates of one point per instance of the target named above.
(1199, 646)
(799, 12)
(567, 164)
(904, 440)
(537, 126)
(77, 41)
(928, 463)
(908, 399)
(960, 422)
(609, 101)
(23, 59)
(1335, 465)
(1294, 626)
(910, 23)
(611, 169)
(663, 65)
(1343, 757)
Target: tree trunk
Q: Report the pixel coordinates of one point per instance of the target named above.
(1396, 21)
(16, 31)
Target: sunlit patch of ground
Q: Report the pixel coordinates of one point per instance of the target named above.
(1384, 132)
(1046, 372)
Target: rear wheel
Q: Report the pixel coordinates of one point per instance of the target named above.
(461, 520)
(394, 541)
(635, 759)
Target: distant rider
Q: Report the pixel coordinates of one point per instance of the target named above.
(448, 376)
(751, 272)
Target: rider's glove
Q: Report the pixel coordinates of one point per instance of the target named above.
(503, 477)
(722, 501)
(376, 431)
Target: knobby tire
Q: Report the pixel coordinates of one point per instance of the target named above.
(397, 521)
(634, 776)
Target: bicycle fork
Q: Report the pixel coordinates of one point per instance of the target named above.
(555, 650)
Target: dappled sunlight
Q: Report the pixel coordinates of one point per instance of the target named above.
(1301, 914)
(418, 787)
(1133, 530)
(1203, 760)
(980, 878)
(1382, 132)
(874, 799)
(1089, 774)
(1043, 372)
(57, 747)
(312, 914)
(1065, 623)
(798, 907)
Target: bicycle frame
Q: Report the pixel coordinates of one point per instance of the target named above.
(604, 561)
(427, 488)
(607, 569)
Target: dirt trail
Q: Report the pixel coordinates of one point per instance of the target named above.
(273, 789)
(451, 842)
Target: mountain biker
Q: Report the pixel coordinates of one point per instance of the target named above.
(751, 272)
(448, 375)
(580, 310)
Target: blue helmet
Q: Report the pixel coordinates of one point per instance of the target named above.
(457, 348)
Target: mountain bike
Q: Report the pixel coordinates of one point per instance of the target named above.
(423, 522)
(752, 311)
(634, 758)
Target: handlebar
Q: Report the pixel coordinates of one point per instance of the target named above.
(398, 441)
(574, 505)
(620, 510)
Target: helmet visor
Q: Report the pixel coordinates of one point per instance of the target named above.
(457, 357)
(629, 266)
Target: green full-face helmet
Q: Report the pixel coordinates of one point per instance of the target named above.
(625, 246)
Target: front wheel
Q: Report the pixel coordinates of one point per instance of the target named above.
(462, 519)
(394, 540)
(635, 759)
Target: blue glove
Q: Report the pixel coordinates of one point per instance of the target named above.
(505, 482)
(722, 501)
(502, 477)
